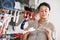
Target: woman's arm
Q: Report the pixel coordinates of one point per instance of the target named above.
(25, 36)
(48, 32)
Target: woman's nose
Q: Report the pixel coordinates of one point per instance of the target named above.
(43, 12)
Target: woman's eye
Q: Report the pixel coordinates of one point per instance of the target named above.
(45, 11)
(41, 11)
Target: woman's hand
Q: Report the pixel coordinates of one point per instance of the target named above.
(48, 32)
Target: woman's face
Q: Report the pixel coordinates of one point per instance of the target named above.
(44, 12)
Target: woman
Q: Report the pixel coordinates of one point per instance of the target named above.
(44, 29)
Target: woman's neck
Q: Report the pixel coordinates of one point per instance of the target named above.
(41, 21)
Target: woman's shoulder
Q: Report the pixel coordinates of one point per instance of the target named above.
(50, 25)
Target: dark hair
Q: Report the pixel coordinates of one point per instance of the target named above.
(44, 4)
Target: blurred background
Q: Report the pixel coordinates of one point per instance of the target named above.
(54, 16)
